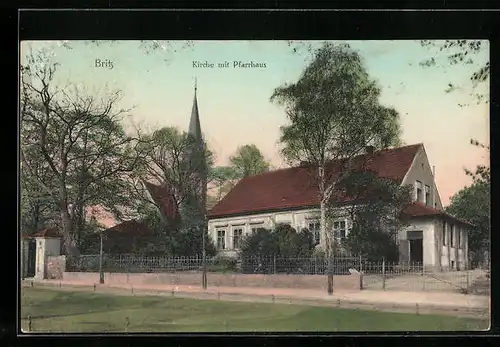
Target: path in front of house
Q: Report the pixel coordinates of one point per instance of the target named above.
(394, 301)
(451, 282)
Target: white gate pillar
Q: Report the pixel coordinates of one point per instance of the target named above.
(48, 243)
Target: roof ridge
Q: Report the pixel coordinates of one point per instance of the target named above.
(333, 160)
(266, 190)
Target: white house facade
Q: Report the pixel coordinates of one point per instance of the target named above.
(433, 237)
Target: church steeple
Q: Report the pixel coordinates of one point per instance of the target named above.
(194, 204)
(194, 123)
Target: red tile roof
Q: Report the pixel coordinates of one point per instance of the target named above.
(296, 188)
(47, 233)
(418, 209)
(164, 198)
(128, 228)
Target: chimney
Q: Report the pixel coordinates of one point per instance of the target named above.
(369, 150)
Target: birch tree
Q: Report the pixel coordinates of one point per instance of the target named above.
(334, 112)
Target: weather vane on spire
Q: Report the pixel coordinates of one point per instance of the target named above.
(195, 84)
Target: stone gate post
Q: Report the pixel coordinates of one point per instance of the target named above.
(48, 243)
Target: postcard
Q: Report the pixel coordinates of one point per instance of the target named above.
(258, 186)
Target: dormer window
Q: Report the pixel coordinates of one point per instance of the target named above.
(419, 191)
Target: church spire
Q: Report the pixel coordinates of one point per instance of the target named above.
(194, 123)
(194, 204)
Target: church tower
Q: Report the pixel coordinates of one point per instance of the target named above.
(195, 199)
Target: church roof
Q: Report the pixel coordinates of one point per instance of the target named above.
(164, 199)
(296, 187)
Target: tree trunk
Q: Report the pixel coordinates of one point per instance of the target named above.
(326, 237)
(69, 243)
(328, 248)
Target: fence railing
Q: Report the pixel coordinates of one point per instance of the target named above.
(261, 265)
(377, 275)
(135, 264)
(248, 265)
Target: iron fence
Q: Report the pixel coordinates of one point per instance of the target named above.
(377, 275)
(419, 277)
(298, 266)
(136, 264)
(247, 265)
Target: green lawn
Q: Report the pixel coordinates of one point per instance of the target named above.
(64, 311)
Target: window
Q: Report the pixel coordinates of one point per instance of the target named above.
(221, 239)
(339, 230)
(459, 236)
(419, 188)
(237, 236)
(256, 226)
(444, 234)
(452, 235)
(428, 195)
(314, 228)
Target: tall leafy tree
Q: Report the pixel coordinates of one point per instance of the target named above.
(163, 161)
(82, 142)
(248, 161)
(473, 204)
(36, 204)
(334, 112)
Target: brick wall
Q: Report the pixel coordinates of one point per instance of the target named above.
(56, 267)
(347, 282)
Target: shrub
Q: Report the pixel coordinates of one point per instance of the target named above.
(283, 242)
